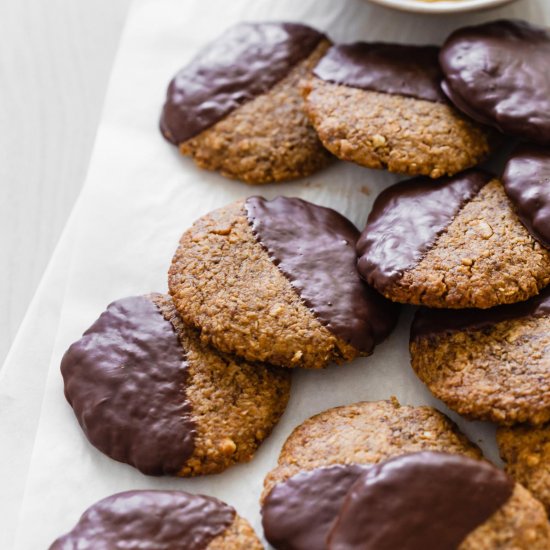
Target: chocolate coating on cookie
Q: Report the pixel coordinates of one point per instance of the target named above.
(407, 218)
(411, 71)
(419, 501)
(243, 63)
(428, 322)
(125, 379)
(314, 247)
(498, 74)
(298, 513)
(526, 180)
(163, 520)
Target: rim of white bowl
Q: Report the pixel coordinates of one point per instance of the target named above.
(441, 6)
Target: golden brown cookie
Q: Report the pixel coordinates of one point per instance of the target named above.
(237, 109)
(455, 243)
(275, 281)
(147, 392)
(163, 520)
(526, 453)
(366, 433)
(381, 106)
(489, 364)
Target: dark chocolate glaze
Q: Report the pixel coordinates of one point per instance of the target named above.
(407, 70)
(125, 379)
(428, 322)
(406, 220)
(314, 247)
(526, 180)
(159, 520)
(419, 501)
(497, 73)
(298, 513)
(244, 62)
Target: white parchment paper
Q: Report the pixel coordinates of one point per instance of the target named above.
(139, 197)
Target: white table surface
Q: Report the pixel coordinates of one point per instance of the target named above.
(55, 60)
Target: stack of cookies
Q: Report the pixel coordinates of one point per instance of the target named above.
(192, 382)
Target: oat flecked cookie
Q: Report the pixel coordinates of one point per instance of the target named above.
(276, 281)
(454, 243)
(147, 392)
(526, 453)
(381, 106)
(491, 364)
(237, 109)
(163, 520)
(326, 455)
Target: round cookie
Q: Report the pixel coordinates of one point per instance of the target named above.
(146, 391)
(455, 243)
(326, 454)
(497, 73)
(163, 520)
(236, 108)
(489, 364)
(437, 501)
(526, 180)
(276, 281)
(381, 106)
(526, 453)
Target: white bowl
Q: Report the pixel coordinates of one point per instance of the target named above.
(441, 6)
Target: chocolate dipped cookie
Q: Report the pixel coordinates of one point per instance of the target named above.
(159, 520)
(454, 243)
(526, 454)
(147, 392)
(276, 281)
(497, 73)
(236, 108)
(381, 106)
(489, 364)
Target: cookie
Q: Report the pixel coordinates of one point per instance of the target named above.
(454, 243)
(163, 520)
(437, 501)
(236, 108)
(497, 73)
(526, 180)
(381, 106)
(526, 453)
(147, 392)
(276, 281)
(324, 456)
(489, 364)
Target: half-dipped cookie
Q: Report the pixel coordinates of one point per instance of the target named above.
(454, 243)
(381, 106)
(491, 364)
(159, 520)
(497, 73)
(526, 454)
(438, 501)
(146, 391)
(276, 281)
(236, 108)
(326, 454)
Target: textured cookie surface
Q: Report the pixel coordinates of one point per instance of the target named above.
(497, 73)
(258, 279)
(526, 453)
(454, 244)
(366, 433)
(487, 364)
(236, 108)
(381, 106)
(163, 520)
(147, 392)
